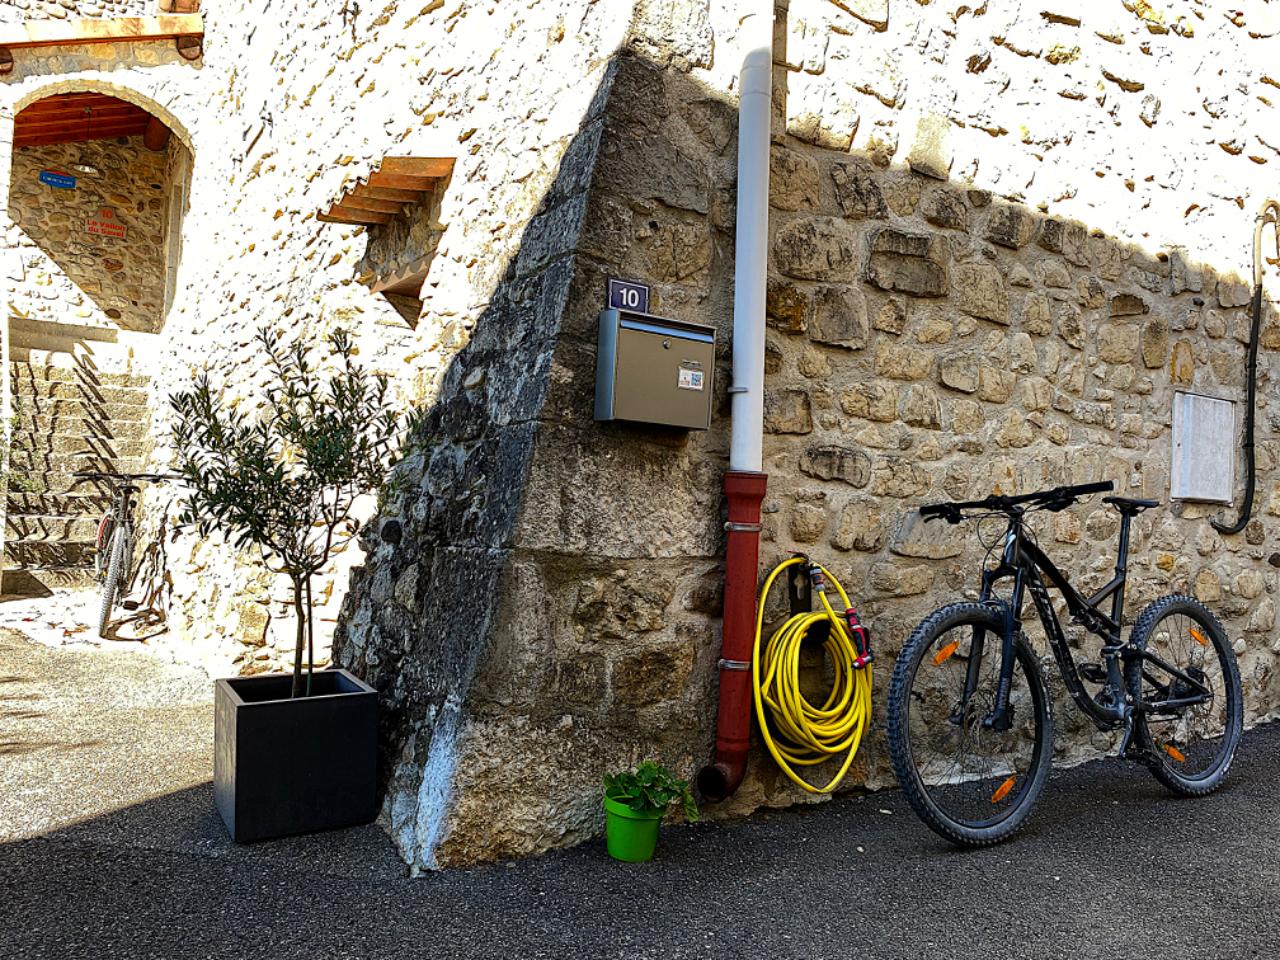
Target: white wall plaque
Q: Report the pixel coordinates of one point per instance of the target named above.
(1202, 464)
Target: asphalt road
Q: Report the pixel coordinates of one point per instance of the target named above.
(1109, 866)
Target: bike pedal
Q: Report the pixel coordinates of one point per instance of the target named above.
(130, 605)
(1136, 755)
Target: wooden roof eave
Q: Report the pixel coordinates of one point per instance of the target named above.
(363, 218)
(383, 194)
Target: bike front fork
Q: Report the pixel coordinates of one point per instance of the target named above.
(1000, 717)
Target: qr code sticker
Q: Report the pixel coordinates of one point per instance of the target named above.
(691, 379)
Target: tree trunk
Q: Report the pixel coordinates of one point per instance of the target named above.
(300, 638)
(311, 647)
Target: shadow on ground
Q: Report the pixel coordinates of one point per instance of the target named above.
(110, 847)
(1110, 866)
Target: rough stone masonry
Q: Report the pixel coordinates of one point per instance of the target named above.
(1001, 238)
(954, 309)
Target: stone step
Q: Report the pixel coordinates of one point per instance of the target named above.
(28, 470)
(31, 529)
(48, 554)
(92, 393)
(18, 504)
(58, 481)
(38, 581)
(20, 368)
(101, 412)
(82, 444)
(80, 427)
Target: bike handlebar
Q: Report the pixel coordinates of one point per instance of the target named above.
(1059, 498)
(102, 475)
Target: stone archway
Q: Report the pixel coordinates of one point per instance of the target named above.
(96, 194)
(112, 89)
(98, 185)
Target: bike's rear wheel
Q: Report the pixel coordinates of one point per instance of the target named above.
(1192, 747)
(969, 783)
(113, 582)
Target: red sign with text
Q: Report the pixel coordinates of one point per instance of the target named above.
(106, 224)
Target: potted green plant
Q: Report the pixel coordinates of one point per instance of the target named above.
(293, 753)
(634, 804)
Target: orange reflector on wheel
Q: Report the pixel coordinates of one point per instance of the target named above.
(1174, 752)
(945, 653)
(1002, 791)
(1199, 637)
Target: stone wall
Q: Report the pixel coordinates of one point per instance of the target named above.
(286, 108)
(104, 280)
(16, 11)
(407, 244)
(967, 293)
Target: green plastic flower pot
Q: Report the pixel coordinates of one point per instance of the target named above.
(630, 836)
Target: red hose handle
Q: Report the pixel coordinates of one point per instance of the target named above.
(861, 639)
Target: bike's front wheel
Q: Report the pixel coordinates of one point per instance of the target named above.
(102, 545)
(113, 582)
(969, 780)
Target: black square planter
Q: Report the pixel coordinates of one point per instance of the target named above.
(283, 766)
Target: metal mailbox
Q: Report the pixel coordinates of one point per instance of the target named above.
(654, 370)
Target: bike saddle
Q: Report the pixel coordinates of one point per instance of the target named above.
(1130, 505)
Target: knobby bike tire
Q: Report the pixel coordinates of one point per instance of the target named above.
(898, 727)
(116, 568)
(1165, 771)
(102, 545)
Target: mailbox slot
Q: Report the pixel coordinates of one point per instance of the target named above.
(654, 370)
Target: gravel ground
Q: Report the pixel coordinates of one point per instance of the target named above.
(84, 731)
(126, 859)
(109, 745)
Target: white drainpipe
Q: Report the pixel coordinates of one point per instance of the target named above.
(755, 110)
(744, 481)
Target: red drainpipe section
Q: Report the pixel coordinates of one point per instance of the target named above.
(745, 493)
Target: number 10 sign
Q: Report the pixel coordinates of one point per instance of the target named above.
(624, 295)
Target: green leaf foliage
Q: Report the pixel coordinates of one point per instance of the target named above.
(650, 787)
(285, 477)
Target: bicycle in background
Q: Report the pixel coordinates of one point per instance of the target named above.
(115, 541)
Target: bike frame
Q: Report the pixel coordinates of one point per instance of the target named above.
(1024, 562)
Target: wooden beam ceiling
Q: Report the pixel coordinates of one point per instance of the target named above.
(384, 193)
(73, 117)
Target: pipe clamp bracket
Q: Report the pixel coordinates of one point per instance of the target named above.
(743, 665)
(743, 527)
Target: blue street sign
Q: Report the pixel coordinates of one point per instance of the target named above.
(62, 181)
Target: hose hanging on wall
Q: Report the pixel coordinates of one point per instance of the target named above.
(1270, 213)
(799, 733)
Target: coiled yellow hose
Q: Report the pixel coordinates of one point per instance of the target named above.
(807, 734)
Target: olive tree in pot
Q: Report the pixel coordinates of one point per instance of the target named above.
(293, 753)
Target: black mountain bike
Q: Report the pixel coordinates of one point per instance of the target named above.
(970, 720)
